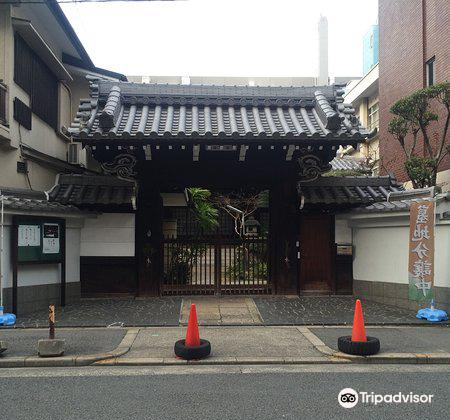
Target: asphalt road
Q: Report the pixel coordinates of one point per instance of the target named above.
(195, 392)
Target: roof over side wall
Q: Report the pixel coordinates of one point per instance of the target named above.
(32, 201)
(92, 190)
(100, 190)
(353, 191)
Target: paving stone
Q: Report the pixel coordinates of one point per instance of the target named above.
(106, 312)
(323, 310)
(274, 310)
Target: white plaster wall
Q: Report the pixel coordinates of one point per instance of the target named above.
(442, 256)
(443, 179)
(73, 248)
(108, 235)
(343, 233)
(381, 254)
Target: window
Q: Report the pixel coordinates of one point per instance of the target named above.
(430, 71)
(36, 79)
(373, 117)
(22, 114)
(3, 103)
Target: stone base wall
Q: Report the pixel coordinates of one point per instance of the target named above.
(395, 294)
(35, 298)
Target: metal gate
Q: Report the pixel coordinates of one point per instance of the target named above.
(211, 265)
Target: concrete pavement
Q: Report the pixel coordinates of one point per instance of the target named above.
(82, 346)
(236, 345)
(288, 345)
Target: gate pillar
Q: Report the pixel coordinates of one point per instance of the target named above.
(149, 240)
(283, 236)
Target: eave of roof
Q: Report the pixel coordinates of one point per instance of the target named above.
(75, 62)
(21, 200)
(135, 112)
(61, 18)
(93, 191)
(348, 191)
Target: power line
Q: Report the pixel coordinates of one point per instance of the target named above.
(17, 2)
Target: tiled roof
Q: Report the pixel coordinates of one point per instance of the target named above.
(347, 164)
(399, 205)
(353, 191)
(92, 191)
(131, 111)
(32, 201)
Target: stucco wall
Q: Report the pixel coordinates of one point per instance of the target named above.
(343, 232)
(108, 235)
(381, 254)
(380, 261)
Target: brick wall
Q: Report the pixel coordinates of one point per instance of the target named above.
(402, 64)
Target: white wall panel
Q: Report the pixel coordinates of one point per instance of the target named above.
(108, 235)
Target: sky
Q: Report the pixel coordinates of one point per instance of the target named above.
(258, 38)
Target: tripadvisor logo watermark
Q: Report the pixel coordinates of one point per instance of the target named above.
(348, 398)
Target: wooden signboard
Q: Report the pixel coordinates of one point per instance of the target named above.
(421, 250)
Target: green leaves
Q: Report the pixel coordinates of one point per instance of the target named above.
(204, 211)
(421, 171)
(413, 115)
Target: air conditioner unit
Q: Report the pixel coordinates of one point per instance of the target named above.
(73, 154)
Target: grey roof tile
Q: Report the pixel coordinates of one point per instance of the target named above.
(89, 191)
(122, 110)
(348, 163)
(353, 191)
(32, 201)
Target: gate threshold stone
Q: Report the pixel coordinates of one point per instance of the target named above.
(222, 310)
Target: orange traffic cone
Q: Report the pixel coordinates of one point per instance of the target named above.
(192, 334)
(358, 330)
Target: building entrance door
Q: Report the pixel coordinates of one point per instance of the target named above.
(316, 254)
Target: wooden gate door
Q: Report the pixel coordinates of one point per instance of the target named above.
(316, 254)
(215, 265)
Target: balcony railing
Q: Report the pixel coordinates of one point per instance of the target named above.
(3, 103)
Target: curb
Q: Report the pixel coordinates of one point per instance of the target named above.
(149, 361)
(335, 358)
(82, 360)
(383, 358)
(397, 358)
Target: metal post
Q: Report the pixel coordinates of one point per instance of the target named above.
(1, 249)
(51, 322)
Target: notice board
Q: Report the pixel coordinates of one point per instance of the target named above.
(39, 240)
